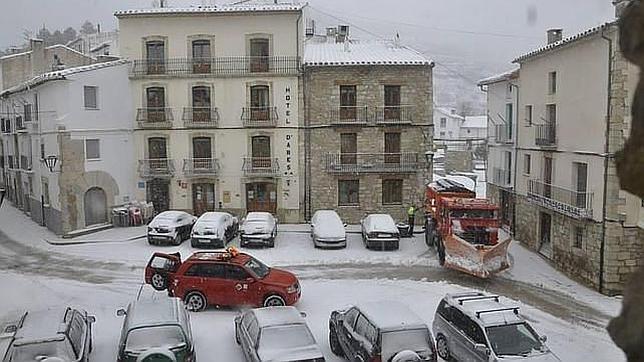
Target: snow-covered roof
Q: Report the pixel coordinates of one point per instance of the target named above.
(499, 77)
(275, 316)
(475, 122)
(154, 312)
(391, 315)
(318, 53)
(61, 74)
(218, 9)
(564, 42)
(448, 112)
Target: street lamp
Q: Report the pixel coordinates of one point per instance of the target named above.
(429, 158)
(50, 161)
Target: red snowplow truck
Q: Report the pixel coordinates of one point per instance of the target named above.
(464, 230)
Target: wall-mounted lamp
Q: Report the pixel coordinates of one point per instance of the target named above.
(50, 161)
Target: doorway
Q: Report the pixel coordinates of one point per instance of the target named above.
(507, 208)
(261, 196)
(203, 198)
(545, 235)
(95, 205)
(158, 192)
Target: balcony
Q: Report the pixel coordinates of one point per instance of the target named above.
(21, 127)
(259, 116)
(349, 115)
(25, 163)
(159, 167)
(502, 133)
(501, 177)
(578, 205)
(545, 135)
(394, 115)
(5, 125)
(200, 117)
(260, 167)
(372, 163)
(229, 66)
(154, 118)
(200, 167)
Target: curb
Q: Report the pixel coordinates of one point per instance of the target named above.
(65, 242)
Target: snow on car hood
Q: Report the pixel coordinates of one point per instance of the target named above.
(163, 222)
(208, 227)
(380, 223)
(329, 228)
(290, 354)
(256, 227)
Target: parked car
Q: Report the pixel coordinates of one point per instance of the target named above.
(327, 229)
(170, 227)
(276, 334)
(478, 327)
(224, 278)
(380, 331)
(62, 334)
(379, 231)
(213, 229)
(161, 325)
(258, 228)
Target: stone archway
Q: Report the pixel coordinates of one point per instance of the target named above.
(95, 205)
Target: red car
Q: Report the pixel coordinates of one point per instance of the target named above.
(225, 278)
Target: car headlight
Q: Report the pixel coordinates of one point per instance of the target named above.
(292, 289)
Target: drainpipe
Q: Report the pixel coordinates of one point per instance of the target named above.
(515, 129)
(602, 248)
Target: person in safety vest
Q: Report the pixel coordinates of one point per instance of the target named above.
(411, 211)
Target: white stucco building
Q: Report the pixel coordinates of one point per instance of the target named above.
(447, 123)
(216, 92)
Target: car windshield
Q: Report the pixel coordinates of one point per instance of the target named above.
(257, 267)
(42, 351)
(154, 337)
(514, 339)
(416, 340)
(285, 337)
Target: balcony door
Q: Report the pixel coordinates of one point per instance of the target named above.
(259, 53)
(392, 147)
(201, 106)
(545, 226)
(392, 102)
(581, 184)
(201, 56)
(259, 103)
(155, 103)
(348, 148)
(203, 198)
(261, 151)
(157, 154)
(155, 52)
(547, 176)
(348, 102)
(261, 196)
(202, 153)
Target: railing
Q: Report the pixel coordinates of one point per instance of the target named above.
(6, 125)
(200, 117)
(502, 133)
(157, 167)
(154, 117)
(545, 134)
(394, 114)
(200, 167)
(260, 166)
(25, 163)
(501, 177)
(259, 116)
(217, 66)
(572, 203)
(372, 162)
(20, 124)
(349, 115)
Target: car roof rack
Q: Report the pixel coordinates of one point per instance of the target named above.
(478, 297)
(514, 309)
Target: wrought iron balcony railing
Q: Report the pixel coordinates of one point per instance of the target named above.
(545, 135)
(226, 66)
(501, 177)
(394, 114)
(502, 133)
(200, 117)
(348, 115)
(156, 167)
(568, 202)
(195, 167)
(156, 117)
(259, 116)
(406, 162)
(260, 166)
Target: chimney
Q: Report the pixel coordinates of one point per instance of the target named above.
(554, 35)
(620, 6)
(37, 47)
(343, 33)
(331, 34)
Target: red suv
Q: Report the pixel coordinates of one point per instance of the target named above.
(225, 278)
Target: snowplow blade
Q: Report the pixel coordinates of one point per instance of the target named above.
(478, 260)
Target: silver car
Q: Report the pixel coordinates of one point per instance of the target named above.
(379, 232)
(478, 327)
(327, 230)
(276, 334)
(258, 228)
(213, 229)
(170, 227)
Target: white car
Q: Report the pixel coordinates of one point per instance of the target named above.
(327, 229)
(379, 231)
(258, 228)
(170, 227)
(276, 334)
(213, 229)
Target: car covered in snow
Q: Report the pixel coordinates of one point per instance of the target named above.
(170, 227)
(222, 278)
(156, 326)
(276, 334)
(60, 334)
(380, 331)
(476, 326)
(379, 231)
(213, 229)
(327, 229)
(258, 228)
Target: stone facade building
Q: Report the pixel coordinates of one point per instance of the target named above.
(368, 122)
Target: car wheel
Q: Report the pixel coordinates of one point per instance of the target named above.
(335, 343)
(159, 281)
(271, 243)
(195, 302)
(274, 301)
(442, 348)
(177, 239)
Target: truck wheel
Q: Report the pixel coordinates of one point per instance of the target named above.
(159, 281)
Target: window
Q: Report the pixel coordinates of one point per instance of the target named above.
(201, 56)
(528, 115)
(155, 101)
(392, 192)
(348, 148)
(90, 97)
(392, 102)
(36, 107)
(42, 151)
(209, 270)
(392, 147)
(509, 119)
(578, 237)
(527, 164)
(77, 333)
(348, 101)
(366, 329)
(236, 273)
(551, 113)
(259, 53)
(348, 191)
(350, 318)
(155, 56)
(259, 103)
(443, 122)
(92, 149)
(27, 112)
(201, 104)
(580, 183)
(552, 83)
(442, 134)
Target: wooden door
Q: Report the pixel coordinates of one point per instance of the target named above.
(155, 56)
(348, 148)
(158, 192)
(155, 98)
(392, 102)
(259, 52)
(261, 151)
(261, 196)
(203, 198)
(95, 205)
(392, 147)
